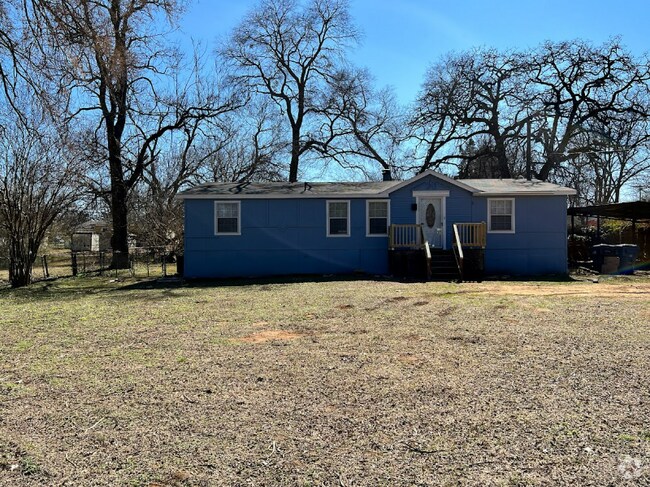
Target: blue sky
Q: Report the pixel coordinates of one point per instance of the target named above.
(402, 37)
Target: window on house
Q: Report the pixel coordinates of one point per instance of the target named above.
(378, 218)
(227, 217)
(501, 215)
(338, 218)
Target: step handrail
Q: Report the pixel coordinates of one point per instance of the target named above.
(427, 253)
(458, 251)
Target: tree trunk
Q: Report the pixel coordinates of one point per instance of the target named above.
(502, 159)
(545, 171)
(295, 155)
(119, 209)
(21, 261)
(120, 237)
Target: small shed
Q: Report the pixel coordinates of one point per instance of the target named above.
(91, 236)
(85, 242)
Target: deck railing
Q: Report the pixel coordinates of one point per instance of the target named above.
(408, 236)
(470, 234)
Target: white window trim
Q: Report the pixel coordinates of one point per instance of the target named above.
(383, 235)
(489, 216)
(327, 219)
(216, 227)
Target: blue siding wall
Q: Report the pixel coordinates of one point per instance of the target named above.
(459, 203)
(280, 236)
(288, 236)
(539, 244)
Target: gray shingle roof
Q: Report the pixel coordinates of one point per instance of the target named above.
(301, 189)
(480, 187)
(515, 186)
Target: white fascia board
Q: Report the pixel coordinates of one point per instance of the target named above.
(559, 192)
(218, 196)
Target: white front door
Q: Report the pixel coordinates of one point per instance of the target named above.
(431, 215)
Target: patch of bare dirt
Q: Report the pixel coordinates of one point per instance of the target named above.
(269, 335)
(410, 359)
(396, 299)
(633, 291)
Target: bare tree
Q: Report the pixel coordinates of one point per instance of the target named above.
(289, 52)
(577, 83)
(112, 64)
(576, 100)
(435, 122)
(499, 102)
(643, 186)
(248, 144)
(478, 159)
(38, 170)
(608, 155)
(7, 49)
(242, 145)
(365, 124)
(467, 96)
(15, 50)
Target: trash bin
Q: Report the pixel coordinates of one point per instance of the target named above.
(610, 265)
(614, 259)
(599, 253)
(627, 254)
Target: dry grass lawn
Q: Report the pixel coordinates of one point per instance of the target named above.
(348, 383)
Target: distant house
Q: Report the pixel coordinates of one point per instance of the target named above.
(93, 236)
(265, 229)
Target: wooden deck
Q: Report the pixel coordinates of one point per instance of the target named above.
(411, 256)
(469, 244)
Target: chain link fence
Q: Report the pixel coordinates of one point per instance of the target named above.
(143, 262)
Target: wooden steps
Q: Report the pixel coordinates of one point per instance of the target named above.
(443, 265)
(411, 257)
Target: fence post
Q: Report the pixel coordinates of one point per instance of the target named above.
(101, 263)
(73, 261)
(46, 271)
(163, 263)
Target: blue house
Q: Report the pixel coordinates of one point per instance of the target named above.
(266, 229)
